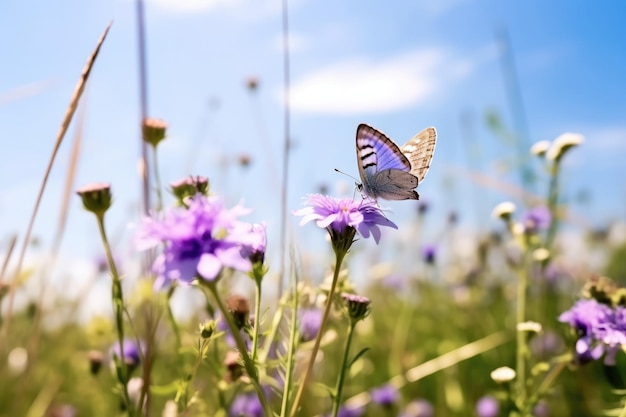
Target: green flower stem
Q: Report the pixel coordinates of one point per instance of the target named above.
(293, 332)
(257, 275)
(343, 370)
(157, 179)
(553, 201)
(172, 319)
(118, 307)
(340, 255)
(520, 356)
(247, 361)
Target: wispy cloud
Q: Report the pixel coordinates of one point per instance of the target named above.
(188, 6)
(361, 85)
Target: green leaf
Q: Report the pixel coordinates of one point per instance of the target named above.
(357, 356)
(165, 390)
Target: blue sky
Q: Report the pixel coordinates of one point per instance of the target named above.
(399, 66)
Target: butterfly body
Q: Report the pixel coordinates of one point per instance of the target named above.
(390, 172)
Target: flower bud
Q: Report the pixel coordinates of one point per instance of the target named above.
(233, 365)
(189, 187)
(154, 131)
(96, 358)
(239, 306)
(358, 307)
(207, 329)
(96, 197)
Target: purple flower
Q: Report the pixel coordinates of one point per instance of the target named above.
(132, 356)
(199, 240)
(246, 405)
(310, 322)
(350, 412)
(339, 215)
(487, 406)
(418, 408)
(537, 218)
(428, 254)
(255, 243)
(385, 395)
(542, 409)
(601, 329)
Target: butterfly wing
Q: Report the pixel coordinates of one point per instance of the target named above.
(384, 169)
(419, 151)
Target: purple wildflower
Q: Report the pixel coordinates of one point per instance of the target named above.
(537, 218)
(385, 395)
(339, 215)
(601, 329)
(542, 409)
(310, 322)
(255, 243)
(350, 412)
(199, 240)
(132, 356)
(487, 406)
(428, 254)
(246, 405)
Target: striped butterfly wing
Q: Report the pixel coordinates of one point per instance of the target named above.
(419, 151)
(384, 169)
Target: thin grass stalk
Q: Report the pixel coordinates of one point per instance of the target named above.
(69, 113)
(257, 319)
(291, 353)
(286, 146)
(143, 101)
(58, 237)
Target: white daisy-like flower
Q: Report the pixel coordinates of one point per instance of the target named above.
(562, 144)
(540, 148)
(503, 210)
(503, 374)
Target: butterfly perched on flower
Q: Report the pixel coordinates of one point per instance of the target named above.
(388, 171)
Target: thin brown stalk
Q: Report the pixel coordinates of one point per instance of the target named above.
(68, 191)
(7, 258)
(78, 91)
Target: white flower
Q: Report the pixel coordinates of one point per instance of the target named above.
(503, 210)
(540, 148)
(503, 374)
(529, 326)
(562, 144)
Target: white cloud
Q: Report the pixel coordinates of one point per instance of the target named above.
(611, 138)
(361, 85)
(187, 6)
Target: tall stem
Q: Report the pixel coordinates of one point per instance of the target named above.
(340, 255)
(257, 318)
(522, 283)
(118, 307)
(344, 368)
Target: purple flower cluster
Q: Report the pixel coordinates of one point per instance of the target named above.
(201, 240)
(601, 329)
(338, 215)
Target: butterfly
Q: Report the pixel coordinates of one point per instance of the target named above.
(388, 171)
